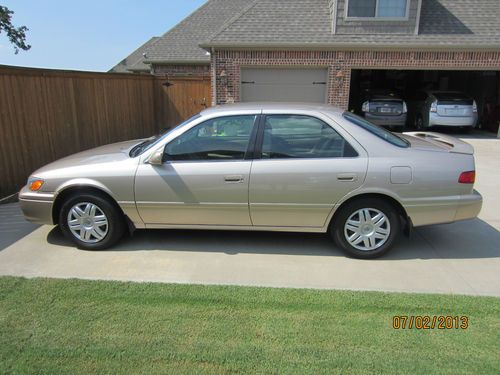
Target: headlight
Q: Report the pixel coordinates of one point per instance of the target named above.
(35, 184)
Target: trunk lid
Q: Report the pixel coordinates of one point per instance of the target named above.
(431, 141)
(386, 107)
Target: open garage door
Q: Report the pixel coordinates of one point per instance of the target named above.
(283, 85)
(482, 86)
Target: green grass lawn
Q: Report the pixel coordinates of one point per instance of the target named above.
(73, 326)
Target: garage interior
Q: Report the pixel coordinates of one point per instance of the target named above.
(483, 86)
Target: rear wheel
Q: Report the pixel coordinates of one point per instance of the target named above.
(91, 222)
(366, 228)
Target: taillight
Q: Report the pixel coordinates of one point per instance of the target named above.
(467, 177)
(434, 107)
(474, 107)
(405, 107)
(365, 107)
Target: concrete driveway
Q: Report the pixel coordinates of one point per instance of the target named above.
(461, 258)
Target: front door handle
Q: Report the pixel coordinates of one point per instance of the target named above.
(234, 179)
(347, 177)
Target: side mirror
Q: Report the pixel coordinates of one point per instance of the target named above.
(156, 157)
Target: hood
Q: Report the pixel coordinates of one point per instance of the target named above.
(103, 154)
(430, 141)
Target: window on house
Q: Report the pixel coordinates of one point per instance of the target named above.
(377, 8)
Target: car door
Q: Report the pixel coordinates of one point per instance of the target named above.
(305, 167)
(204, 178)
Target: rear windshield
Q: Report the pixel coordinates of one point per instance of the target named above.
(452, 97)
(379, 131)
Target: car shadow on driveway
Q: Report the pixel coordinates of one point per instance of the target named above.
(13, 225)
(470, 239)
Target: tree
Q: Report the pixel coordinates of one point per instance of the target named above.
(16, 35)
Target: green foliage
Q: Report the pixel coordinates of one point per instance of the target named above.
(16, 35)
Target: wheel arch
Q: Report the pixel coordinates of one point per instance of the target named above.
(406, 220)
(71, 190)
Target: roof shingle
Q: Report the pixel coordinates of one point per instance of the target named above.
(135, 61)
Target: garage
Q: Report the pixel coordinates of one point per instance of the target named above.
(482, 85)
(283, 85)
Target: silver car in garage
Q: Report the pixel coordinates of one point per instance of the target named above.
(444, 108)
(263, 167)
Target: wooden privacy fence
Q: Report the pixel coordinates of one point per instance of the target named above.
(48, 114)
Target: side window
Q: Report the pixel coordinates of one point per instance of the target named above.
(302, 137)
(222, 138)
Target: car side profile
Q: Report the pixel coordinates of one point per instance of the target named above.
(265, 167)
(443, 108)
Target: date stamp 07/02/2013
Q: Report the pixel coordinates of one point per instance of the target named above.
(430, 322)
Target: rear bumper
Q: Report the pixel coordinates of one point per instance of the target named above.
(386, 120)
(469, 206)
(437, 120)
(36, 207)
(444, 210)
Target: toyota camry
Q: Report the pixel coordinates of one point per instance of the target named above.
(261, 167)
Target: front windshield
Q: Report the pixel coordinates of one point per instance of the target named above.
(150, 142)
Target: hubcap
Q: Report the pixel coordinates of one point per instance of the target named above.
(88, 222)
(367, 229)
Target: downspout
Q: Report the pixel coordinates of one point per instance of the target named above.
(214, 79)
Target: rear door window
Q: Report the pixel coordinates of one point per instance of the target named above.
(302, 137)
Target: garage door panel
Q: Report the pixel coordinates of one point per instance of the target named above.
(283, 85)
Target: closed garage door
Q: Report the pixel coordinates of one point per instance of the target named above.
(283, 85)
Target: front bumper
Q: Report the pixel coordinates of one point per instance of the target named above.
(36, 206)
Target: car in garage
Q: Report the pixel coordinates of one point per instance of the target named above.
(385, 108)
(443, 108)
(264, 167)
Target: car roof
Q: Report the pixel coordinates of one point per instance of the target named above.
(270, 106)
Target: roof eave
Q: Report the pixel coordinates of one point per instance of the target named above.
(353, 46)
(177, 62)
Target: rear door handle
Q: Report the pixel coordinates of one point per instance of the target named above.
(347, 177)
(234, 179)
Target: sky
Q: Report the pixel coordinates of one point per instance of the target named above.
(88, 35)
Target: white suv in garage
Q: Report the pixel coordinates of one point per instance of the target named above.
(444, 108)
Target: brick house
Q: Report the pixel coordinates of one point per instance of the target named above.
(331, 50)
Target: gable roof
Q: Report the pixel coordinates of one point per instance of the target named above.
(473, 24)
(135, 61)
(181, 44)
(307, 24)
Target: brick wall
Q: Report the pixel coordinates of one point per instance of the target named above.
(339, 63)
(181, 70)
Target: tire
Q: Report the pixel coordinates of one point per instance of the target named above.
(107, 222)
(376, 246)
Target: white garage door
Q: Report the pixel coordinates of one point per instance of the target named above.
(283, 85)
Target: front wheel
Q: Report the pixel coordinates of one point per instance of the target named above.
(91, 222)
(366, 228)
